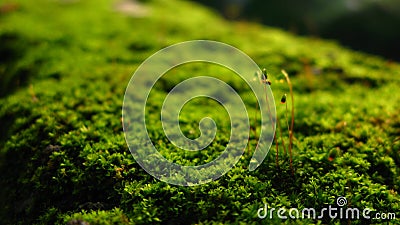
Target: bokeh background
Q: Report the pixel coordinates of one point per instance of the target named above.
(367, 25)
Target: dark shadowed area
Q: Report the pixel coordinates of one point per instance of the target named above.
(365, 25)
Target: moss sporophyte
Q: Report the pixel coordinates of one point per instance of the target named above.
(265, 80)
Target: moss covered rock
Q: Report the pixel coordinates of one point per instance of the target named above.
(63, 72)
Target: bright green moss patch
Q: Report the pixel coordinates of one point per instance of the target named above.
(64, 67)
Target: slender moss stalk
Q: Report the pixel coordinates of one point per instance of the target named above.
(266, 81)
(277, 151)
(292, 120)
(280, 131)
(283, 101)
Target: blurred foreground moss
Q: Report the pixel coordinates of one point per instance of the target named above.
(64, 67)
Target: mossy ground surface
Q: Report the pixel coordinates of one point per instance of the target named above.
(63, 72)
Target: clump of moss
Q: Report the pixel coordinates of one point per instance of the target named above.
(63, 153)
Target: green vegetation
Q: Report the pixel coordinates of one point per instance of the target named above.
(64, 67)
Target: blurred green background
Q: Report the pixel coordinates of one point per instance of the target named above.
(367, 25)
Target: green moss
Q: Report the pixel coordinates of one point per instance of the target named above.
(63, 72)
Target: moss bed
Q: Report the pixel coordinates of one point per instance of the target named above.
(64, 67)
